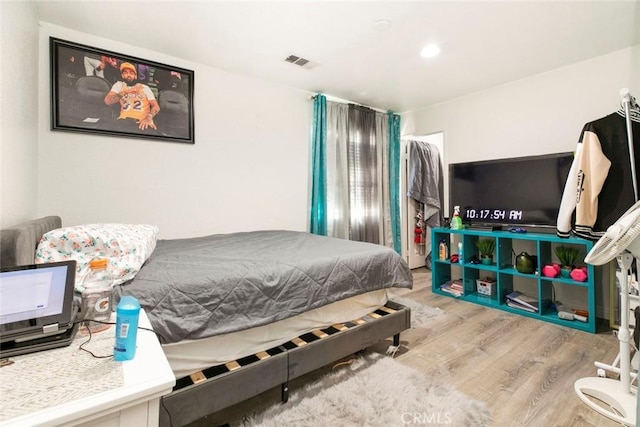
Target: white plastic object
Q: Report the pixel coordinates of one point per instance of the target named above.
(579, 318)
(620, 236)
(392, 350)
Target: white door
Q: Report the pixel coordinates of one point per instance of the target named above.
(415, 253)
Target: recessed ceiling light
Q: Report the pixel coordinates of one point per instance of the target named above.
(382, 25)
(430, 51)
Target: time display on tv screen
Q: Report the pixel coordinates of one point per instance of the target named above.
(493, 214)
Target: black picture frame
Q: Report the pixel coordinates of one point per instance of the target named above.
(82, 76)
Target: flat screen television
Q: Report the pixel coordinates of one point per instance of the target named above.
(520, 191)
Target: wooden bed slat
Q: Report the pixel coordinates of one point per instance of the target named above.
(198, 377)
(388, 309)
(262, 355)
(340, 327)
(232, 366)
(319, 333)
(299, 342)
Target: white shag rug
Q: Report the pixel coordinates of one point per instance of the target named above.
(374, 390)
(420, 313)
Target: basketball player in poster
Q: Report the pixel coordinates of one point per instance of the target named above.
(138, 105)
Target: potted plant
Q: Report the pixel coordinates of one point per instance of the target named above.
(486, 248)
(568, 257)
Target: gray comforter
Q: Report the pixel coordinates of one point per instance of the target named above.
(200, 287)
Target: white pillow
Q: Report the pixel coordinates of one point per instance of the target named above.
(125, 246)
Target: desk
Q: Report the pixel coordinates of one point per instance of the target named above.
(130, 396)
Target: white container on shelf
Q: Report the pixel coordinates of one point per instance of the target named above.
(486, 287)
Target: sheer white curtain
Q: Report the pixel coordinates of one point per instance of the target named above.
(337, 178)
(357, 174)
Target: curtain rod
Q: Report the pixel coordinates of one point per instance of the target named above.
(344, 101)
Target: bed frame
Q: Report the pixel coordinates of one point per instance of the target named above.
(218, 387)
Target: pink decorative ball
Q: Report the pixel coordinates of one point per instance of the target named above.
(578, 274)
(550, 270)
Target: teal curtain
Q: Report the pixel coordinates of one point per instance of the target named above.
(318, 223)
(394, 180)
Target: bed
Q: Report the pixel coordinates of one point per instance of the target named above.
(241, 313)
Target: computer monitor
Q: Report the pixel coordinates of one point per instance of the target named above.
(37, 311)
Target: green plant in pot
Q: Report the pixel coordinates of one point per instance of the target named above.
(486, 248)
(568, 257)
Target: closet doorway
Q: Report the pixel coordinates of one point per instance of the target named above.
(416, 247)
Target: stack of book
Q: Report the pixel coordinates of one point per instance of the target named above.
(453, 287)
(521, 301)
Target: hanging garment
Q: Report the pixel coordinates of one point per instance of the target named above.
(426, 186)
(599, 188)
(426, 180)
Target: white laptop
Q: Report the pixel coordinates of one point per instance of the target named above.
(37, 310)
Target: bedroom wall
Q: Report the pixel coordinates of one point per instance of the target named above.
(18, 120)
(538, 115)
(248, 169)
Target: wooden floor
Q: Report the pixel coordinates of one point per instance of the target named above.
(524, 369)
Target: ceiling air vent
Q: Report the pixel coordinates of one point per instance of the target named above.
(297, 60)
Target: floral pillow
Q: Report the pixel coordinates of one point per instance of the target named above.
(125, 246)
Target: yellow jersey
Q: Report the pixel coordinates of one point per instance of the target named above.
(134, 102)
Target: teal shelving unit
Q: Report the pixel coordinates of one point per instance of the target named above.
(507, 278)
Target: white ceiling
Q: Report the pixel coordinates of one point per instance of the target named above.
(484, 43)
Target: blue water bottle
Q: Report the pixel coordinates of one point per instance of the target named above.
(127, 315)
